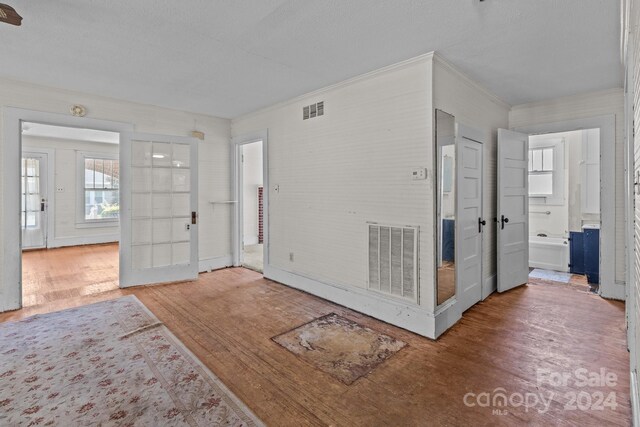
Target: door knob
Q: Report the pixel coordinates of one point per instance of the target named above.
(503, 220)
(481, 222)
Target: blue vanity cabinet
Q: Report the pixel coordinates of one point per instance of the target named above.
(592, 254)
(576, 252)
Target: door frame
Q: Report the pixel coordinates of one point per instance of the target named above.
(50, 153)
(607, 125)
(237, 193)
(11, 275)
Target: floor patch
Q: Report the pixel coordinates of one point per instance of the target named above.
(340, 347)
(556, 276)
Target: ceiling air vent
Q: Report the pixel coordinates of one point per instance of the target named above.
(313, 110)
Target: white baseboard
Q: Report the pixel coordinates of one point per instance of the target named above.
(216, 263)
(59, 242)
(635, 399)
(617, 291)
(447, 316)
(405, 315)
(489, 286)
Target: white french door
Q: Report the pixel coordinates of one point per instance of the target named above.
(159, 201)
(33, 200)
(513, 209)
(470, 222)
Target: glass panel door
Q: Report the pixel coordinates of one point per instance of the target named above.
(160, 241)
(33, 200)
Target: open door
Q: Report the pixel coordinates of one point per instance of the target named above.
(158, 200)
(513, 209)
(470, 222)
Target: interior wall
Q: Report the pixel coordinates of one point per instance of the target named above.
(473, 106)
(610, 102)
(336, 172)
(251, 180)
(633, 297)
(65, 231)
(214, 168)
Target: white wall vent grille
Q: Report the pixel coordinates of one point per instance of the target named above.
(393, 260)
(313, 110)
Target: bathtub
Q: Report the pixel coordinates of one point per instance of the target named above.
(550, 253)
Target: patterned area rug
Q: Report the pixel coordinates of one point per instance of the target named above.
(339, 346)
(110, 363)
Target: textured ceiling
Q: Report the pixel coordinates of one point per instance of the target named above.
(230, 57)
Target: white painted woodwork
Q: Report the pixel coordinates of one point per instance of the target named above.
(214, 172)
(583, 107)
(158, 196)
(475, 108)
(468, 229)
(35, 188)
(513, 209)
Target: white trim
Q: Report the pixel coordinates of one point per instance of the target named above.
(236, 191)
(11, 280)
(447, 315)
(84, 240)
(51, 156)
(606, 124)
(408, 316)
(215, 263)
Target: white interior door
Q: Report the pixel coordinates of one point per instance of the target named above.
(513, 209)
(33, 199)
(159, 200)
(470, 222)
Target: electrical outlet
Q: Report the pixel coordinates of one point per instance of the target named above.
(291, 256)
(60, 189)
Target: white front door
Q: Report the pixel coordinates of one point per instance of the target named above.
(159, 201)
(470, 222)
(513, 209)
(33, 200)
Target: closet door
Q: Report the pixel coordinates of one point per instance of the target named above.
(470, 222)
(159, 197)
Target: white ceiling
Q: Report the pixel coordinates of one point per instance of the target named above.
(230, 57)
(76, 134)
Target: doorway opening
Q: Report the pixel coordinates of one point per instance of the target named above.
(251, 203)
(69, 211)
(564, 207)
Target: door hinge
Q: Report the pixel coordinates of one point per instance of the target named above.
(194, 217)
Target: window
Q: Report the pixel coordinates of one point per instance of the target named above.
(101, 184)
(541, 171)
(546, 170)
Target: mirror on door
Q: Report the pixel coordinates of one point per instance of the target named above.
(445, 206)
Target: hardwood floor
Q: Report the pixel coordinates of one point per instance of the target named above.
(56, 274)
(228, 317)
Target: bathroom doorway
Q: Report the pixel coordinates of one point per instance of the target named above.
(564, 207)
